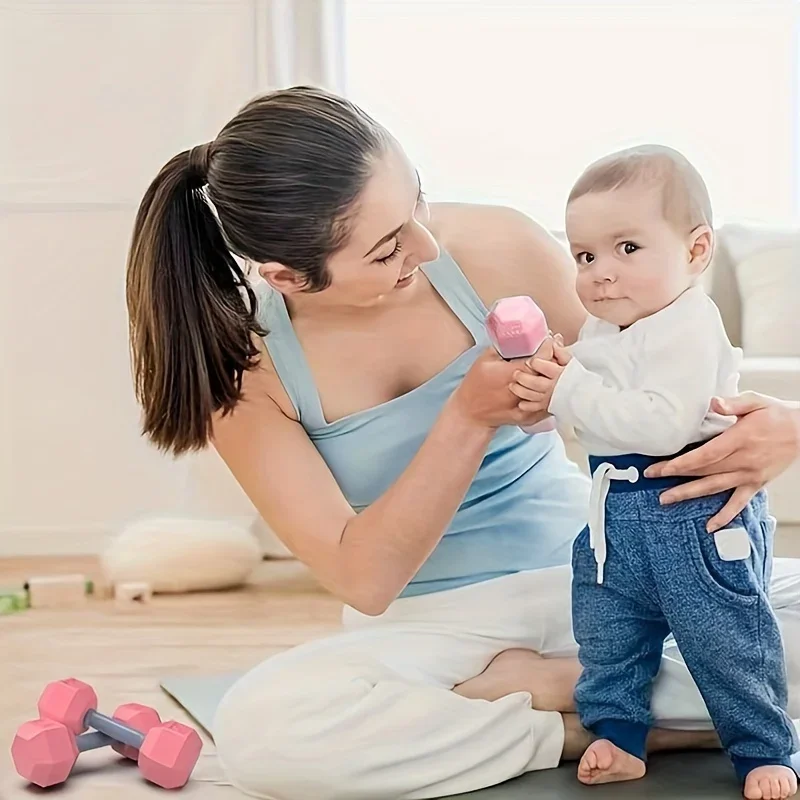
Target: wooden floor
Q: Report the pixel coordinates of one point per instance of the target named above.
(123, 655)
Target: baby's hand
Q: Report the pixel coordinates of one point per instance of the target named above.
(545, 351)
(546, 348)
(535, 388)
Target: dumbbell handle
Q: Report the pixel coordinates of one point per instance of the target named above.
(113, 729)
(92, 741)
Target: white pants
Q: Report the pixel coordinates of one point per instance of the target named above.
(369, 713)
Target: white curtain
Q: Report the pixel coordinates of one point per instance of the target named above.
(301, 43)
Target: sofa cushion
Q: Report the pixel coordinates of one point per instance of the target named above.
(768, 277)
(719, 282)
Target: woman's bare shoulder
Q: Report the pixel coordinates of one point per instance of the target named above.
(503, 252)
(262, 384)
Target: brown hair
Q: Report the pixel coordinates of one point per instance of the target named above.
(283, 176)
(685, 196)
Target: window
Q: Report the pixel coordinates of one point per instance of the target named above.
(506, 102)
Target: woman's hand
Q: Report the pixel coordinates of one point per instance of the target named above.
(485, 398)
(762, 443)
(535, 386)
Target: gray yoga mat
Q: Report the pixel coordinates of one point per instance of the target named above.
(200, 695)
(675, 776)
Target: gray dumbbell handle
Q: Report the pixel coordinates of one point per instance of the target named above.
(93, 741)
(116, 730)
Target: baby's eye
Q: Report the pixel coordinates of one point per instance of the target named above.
(584, 258)
(629, 248)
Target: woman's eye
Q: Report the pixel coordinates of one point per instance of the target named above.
(387, 259)
(584, 258)
(629, 248)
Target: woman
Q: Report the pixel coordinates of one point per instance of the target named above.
(357, 403)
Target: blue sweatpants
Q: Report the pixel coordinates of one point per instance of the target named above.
(663, 575)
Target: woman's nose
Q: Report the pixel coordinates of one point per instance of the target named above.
(423, 246)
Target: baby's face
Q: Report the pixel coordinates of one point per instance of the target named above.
(631, 261)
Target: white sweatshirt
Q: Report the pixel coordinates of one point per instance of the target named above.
(647, 389)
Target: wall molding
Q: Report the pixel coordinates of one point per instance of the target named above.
(66, 540)
(91, 540)
(9, 207)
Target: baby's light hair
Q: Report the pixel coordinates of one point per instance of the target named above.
(685, 197)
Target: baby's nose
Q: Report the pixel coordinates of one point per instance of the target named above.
(603, 272)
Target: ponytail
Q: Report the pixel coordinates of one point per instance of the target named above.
(191, 331)
(283, 177)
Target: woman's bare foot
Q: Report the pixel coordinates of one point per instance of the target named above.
(550, 681)
(770, 783)
(508, 672)
(604, 762)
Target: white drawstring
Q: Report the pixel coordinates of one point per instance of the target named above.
(601, 481)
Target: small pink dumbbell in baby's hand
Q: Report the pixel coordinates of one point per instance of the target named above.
(517, 329)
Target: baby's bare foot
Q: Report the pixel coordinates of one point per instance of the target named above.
(770, 783)
(604, 762)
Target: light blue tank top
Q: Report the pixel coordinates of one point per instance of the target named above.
(527, 502)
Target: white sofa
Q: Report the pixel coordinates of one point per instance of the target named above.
(754, 278)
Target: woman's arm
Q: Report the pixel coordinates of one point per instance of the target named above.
(764, 441)
(365, 559)
(504, 253)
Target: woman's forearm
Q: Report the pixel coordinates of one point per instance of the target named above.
(390, 540)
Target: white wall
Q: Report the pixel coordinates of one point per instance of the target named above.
(94, 98)
(528, 93)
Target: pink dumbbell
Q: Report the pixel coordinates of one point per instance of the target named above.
(517, 329)
(45, 750)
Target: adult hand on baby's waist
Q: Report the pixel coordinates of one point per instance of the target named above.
(763, 442)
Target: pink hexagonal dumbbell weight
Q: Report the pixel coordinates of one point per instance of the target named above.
(517, 328)
(140, 718)
(168, 754)
(45, 750)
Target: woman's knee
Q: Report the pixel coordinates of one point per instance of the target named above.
(297, 733)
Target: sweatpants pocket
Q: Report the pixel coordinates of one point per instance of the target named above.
(730, 581)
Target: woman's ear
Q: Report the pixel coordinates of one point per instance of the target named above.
(701, 248)
(281, 278)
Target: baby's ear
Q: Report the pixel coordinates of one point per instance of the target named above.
(701, 248)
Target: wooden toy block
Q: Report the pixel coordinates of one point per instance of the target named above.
(11, 604)
(100, 589)
(12, 600)
(129, 595)
(57, 591)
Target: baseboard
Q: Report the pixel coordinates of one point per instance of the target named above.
(72, 540)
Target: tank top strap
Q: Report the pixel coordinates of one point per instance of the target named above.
(288, 357)
(454, 288)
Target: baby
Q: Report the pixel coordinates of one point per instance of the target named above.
(636, 387)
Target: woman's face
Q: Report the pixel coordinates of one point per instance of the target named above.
(388, 238)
